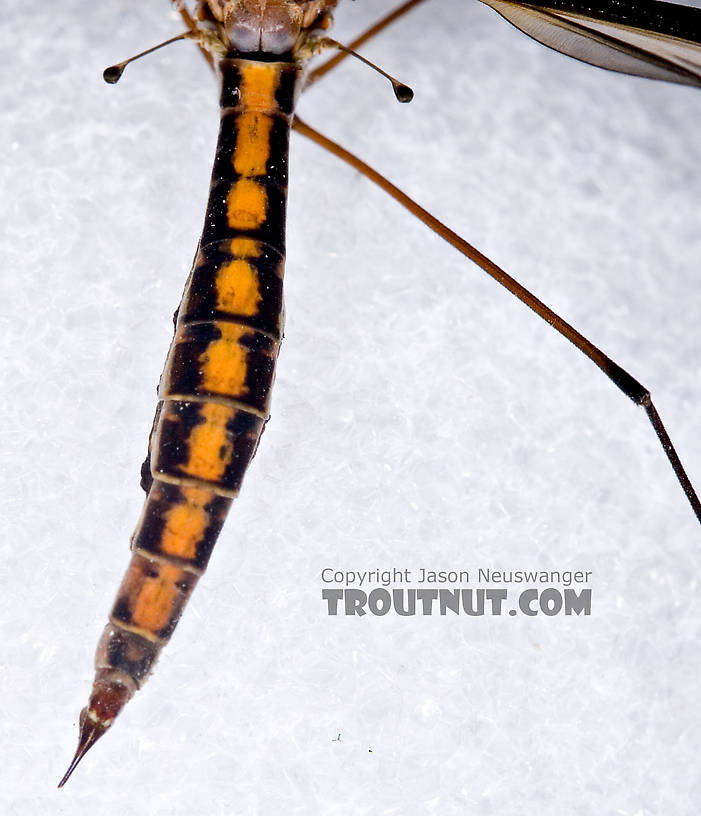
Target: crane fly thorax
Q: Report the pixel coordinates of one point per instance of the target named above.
(267, 26)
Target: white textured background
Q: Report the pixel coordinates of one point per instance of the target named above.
(421, 418)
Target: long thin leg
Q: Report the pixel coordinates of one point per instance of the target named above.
(628, 384)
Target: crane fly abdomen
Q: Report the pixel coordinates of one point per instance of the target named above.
(215, 388)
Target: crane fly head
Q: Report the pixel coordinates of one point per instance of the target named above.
(267, 26)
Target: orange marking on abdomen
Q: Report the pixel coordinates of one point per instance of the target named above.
(252, 151)
(259, 82)
(223, 364)
(186, 524)
(245, 248)
(237, 288)
(210, 444)
(155, 602)
(246, 205)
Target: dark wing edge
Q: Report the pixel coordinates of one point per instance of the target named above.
(640, 37)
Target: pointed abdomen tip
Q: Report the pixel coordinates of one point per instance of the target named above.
(109, 695)
(90, 732)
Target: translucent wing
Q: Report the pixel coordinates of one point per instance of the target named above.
(642, 37)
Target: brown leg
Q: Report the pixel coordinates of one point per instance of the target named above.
(191, 23)
(628, 384)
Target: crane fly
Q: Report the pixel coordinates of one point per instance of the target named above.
(170, 478)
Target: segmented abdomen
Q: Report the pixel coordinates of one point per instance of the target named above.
(215, 389)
